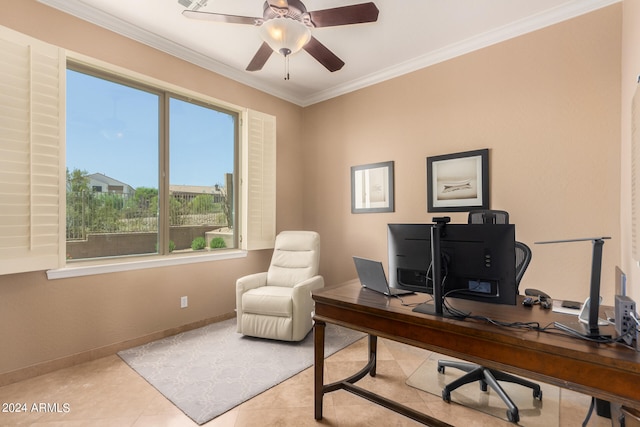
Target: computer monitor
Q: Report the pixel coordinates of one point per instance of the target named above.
(477, 260)
(409, 251)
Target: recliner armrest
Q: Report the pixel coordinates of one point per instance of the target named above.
(311, 284)
(301, 297)
(252, 281)
(303, 304)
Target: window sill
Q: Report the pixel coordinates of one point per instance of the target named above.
(110, 266)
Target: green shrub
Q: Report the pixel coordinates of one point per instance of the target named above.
(198, 243)
(217, 243)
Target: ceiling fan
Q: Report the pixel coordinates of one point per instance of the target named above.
(286, 28)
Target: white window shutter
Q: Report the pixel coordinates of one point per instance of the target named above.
(258, 181)
(31, 168)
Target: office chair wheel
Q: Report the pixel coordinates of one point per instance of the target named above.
(441, 369)
(537, 394)
(446, 396)
(513, 416)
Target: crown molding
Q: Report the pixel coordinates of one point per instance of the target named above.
(112, 23)
(562, 13)
(528, 25)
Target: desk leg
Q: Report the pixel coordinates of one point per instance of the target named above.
(348, 384)
(318, 367)
(373, 354)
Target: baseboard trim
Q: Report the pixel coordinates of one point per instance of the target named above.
(89, 355)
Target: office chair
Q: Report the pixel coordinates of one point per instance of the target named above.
(488, 376)
(629, 417)
(488, 217)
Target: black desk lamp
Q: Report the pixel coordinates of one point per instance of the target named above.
(591, 331)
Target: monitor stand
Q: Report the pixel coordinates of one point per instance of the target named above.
(436, 308)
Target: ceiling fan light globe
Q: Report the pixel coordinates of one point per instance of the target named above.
(285, 35)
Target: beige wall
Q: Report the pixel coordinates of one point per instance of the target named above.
(546, 104)
(630, 74)
(43, 320)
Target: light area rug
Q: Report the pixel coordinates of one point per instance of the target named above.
(532, 412)
(208, 371)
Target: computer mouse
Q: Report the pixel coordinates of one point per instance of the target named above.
(528, 302)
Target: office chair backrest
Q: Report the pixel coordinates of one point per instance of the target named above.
(488, 216)
(523, 258)
(523, 252)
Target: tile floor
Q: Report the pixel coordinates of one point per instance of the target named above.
(106, 392)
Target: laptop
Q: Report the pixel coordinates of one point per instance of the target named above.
(371, 275)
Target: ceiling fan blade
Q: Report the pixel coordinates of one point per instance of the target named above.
(323, 55)
(219, 17)
(346, 15)
(260, 58)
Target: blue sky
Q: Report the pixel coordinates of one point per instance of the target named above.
(113, 129)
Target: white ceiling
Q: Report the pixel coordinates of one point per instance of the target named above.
(409, 35)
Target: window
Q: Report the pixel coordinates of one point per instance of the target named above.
(34, 186)
(167, 164)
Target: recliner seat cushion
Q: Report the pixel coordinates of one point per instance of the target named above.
(269, 301)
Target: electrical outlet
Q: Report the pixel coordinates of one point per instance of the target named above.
(184, 302)
(625, 325)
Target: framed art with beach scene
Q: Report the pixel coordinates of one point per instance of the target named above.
(458, 182)
(372, 188)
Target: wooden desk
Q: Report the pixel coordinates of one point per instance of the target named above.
(607, 371)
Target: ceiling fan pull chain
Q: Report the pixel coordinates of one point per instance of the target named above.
(286, 67)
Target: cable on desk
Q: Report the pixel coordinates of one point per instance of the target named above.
(612, 340)
(534, 326)
(428, 278)
(415, 304)
(633, 316)
(461, 315)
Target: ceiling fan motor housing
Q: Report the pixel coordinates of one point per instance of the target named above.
(293, 10)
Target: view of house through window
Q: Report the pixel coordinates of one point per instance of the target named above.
(121, 200)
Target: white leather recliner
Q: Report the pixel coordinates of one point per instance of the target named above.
(277, 304)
